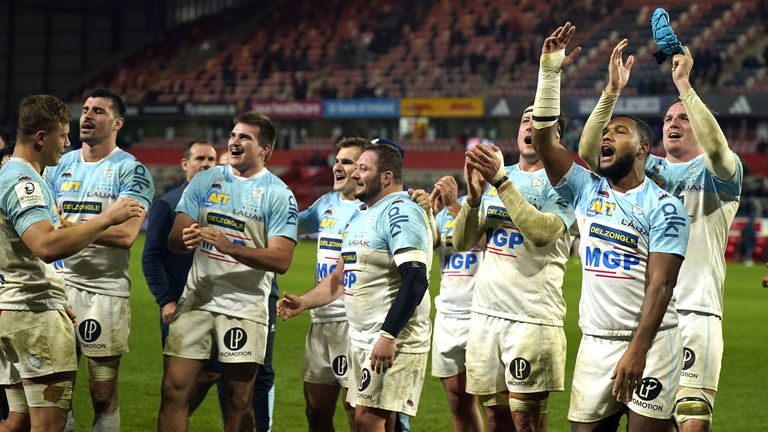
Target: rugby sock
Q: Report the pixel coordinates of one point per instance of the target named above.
(107, 422)
(546, 105)
(69, 426)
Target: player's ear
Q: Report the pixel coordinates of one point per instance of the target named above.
(119, 122)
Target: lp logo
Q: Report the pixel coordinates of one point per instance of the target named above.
(365, 380)
(649, 389)
(340, 365)
(689, 358)
(235, 338)
(520, 368)
(90, 330)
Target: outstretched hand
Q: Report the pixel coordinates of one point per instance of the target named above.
(289, 306)
(618, 71)
(558, 41)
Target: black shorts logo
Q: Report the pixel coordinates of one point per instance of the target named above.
(340, 365)
(689, 358)
(520, 368)
(649, 389)
(365, 380)
(89, 330)
(235, 338)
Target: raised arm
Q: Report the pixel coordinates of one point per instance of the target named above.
(718, 157)
(661, 278)
(546, 108)
(542, 228)
(592, 135)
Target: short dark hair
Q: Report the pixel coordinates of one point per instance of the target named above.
(562, 119)
(680, 101)
(267, 132)
(362, 143)
(118, 105)
(5, 136)
(41, 112)
(188, 146)
(643, 130)
(389, 160)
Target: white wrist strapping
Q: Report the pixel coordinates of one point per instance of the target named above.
(546, 105)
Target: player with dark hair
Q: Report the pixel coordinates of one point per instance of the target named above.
(516, 347)
(706, 175)
(240, 220)
(385, 253)
(633, 242)
(5, 138)
(327, 341)
(86, 183)
(37, 341)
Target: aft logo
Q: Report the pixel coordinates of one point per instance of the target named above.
(214, 197)
(600, 206)
(327, 223)
(69, 186)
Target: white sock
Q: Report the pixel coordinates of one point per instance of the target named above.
(69, 426)
(107, 422)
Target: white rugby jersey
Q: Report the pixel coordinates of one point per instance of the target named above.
(249, 211)
(393, 231)
(26, 282)
(618, 231)
(711, 204)
(86, 189)
(328, 216)
(517, 280)
(458, 270)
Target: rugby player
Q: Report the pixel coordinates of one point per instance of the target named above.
(37, 340)
(633, 242)
(386, 250)
(240, 220)
(86, 182)
(702, 171)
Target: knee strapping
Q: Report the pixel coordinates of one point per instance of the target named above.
(51, 395)
(528, 405)
(693, 404)
(103, 370)
(17, 401)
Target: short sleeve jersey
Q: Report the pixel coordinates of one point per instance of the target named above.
(618, 231)
(393, 231)
(86, 189)
(248, 211)
(711, 204)
(458, 270)
(518, 280)
(327, 217)
(26, 282)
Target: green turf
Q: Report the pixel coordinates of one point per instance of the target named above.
(741, 403)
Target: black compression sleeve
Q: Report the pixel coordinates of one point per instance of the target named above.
(412, 289)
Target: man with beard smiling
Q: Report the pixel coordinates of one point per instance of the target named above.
(385, 253)
(633, 242)
(240, 220)
(86, 183)
(327, 341)
(706, 175)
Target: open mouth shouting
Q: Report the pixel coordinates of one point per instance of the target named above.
(607, 152)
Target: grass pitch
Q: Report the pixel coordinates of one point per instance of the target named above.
(741, 402)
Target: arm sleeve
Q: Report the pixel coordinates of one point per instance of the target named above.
(718, 157)
(414, 286)
(136, 182)
(575, 184)
(192, 197)
(24, 205)
(592, 135)
(541, 227)
(468, 227)
(283, 214)
(159, 224)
